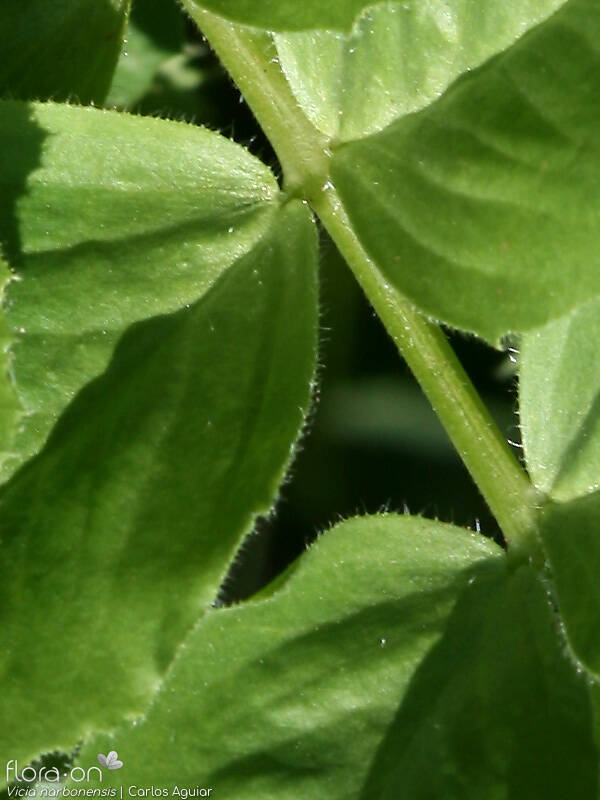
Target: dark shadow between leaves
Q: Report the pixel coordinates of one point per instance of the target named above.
(21, 140)
(161, 22)
(64, 50)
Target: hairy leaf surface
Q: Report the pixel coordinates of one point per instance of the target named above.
(116, 537)
(107, 219)
(60, 50)
(290, 697)
(399, 57)
(361, 678)
(483, 208)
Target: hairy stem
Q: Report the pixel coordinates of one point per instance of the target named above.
(251, 59)
(423, 345)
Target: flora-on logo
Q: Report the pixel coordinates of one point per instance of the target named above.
(111, 761)
(41, 774)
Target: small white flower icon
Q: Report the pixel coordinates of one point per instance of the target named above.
(111, 761)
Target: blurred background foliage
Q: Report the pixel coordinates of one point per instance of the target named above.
(372, 442)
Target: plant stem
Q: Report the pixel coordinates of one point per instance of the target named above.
(423, 345)
(251, 59)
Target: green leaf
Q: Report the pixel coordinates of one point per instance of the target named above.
(398, 59)
(570, 533)
(116, 538)
(496, 710)
(559, 390)
(482, 209)
(360, 679)
(108, 219)
(286, 15)
(154, 34)
(289, 697)
(65, 49)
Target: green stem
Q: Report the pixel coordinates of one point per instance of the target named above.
(252, 61)
(423, 345)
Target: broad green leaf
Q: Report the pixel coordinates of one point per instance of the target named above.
(571, 537)
(399, 57)
(496, 710)
(154, 35)
(360, 678)
(116, 537)
(483, 208)
(290, 697)
(108, 219)
(559, 390)
(286, 15)
(60, 50)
